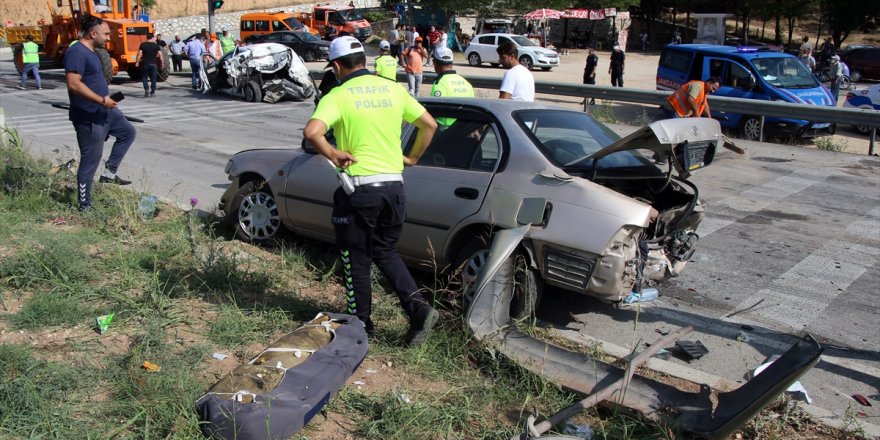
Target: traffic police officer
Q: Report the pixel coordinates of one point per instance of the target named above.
(227, 41)
(386, 66)
(366, 112)
(448, 83)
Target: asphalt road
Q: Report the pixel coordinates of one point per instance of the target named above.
(790, 244)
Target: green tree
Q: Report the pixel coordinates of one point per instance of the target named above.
(845, 16)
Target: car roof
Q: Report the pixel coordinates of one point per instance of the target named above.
(502, 106)
(487, 34)
(717, 49)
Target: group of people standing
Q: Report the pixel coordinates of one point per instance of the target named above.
(615, 67)
(195, 50)
(828, 59)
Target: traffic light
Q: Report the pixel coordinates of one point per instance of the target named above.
(216, 4)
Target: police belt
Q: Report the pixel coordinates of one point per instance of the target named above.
(376, 178)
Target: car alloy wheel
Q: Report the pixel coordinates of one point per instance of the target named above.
(751, 128)
(855, 76)
(309, 56)
(258, 217)
(526, 62)
(474, 59)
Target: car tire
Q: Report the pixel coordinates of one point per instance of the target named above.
(526, 62)
(255, 214)
(474, 59)
(845, 83)
(165, 71)
(529, 286)
(106, 63)
(750, 128)
(253, 92)
(546, 69)
(494, 64)
(17, 58)
(855, 76)
(309, 56)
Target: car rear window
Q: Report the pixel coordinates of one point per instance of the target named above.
(675, 60)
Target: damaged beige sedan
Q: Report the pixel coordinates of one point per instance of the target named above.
(607, 197)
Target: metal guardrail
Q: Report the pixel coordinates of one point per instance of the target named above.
(838, 115)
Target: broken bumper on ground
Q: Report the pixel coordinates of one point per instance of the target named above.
(489, 320)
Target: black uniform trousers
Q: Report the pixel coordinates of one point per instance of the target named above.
(368, 224)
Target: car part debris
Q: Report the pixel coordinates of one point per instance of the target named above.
(489, 321)
(281, 389)
(693, 350)
(796, 390)
(861, 399)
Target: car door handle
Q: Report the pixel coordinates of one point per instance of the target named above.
(467, 193)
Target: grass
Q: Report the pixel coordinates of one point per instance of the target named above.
(828, 143)
(181, 291)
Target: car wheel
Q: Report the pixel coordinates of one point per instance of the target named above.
(845, 83)
(253, 92)
(106, 63)
(494, 64)
(526, 62)
(17, 58)
(256, 214)
(309, 56)
(527, 283)
(474, 59)
(751, 128)
(546, 69)
(855, 76)
(165, 71)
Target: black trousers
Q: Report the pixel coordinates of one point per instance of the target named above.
(616, 78)
(368, 224)
(149, 74)
(177, 62)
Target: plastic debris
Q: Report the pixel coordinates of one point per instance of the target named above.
(663, 354)
(403, 398)
(151, 367)
(861, 399)
(581, 431)
(742, 337)
(692, 349)
(219, 356)
(147, 205)
(647, 294)
(796, 391)
(359, 382)
(662, 331)
(371, 371)
(103, 322)
(58, 221)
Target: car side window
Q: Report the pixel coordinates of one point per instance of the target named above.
(278, 26)
(262, 25)
(466, 144)
(319, 15)
(503, 39)
(488, 39)
(247, 25)
(737, 76)
(288, 38)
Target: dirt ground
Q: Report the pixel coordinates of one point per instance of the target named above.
(640, 73)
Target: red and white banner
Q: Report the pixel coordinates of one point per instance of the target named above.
(597, 14)
(610, 12)
(576, 13)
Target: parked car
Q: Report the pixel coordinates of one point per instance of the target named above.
(863, 62)
(606, 195)
(749, 73)
(868, 98)
(306, 45)
(267, 72)
(483, 50)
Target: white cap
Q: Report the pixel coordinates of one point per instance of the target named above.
(835, 58)
(384, 45)
(224, 29)
(342, 46)
(443, 54)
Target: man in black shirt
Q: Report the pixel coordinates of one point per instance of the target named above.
(150, 56)
(162, 44)
(590, 70)
(615, 68)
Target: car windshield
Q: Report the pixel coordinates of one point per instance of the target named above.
(523, 41)
(351, 15)
(568, 138)
(305, 36)
(785, 72)
(293, 23)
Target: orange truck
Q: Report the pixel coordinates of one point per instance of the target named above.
(319, 22)
(118, 54)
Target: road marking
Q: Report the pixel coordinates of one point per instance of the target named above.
(755, 199)
(802, 293)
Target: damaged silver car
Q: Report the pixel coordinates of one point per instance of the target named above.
(268, 72)
(606, 196)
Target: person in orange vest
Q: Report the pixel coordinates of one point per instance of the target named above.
(691, 100)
